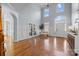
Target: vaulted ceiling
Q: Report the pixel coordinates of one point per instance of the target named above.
(21, 6)
(18, 6)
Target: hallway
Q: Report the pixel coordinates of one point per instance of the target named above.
(43, 46)
(44, 29)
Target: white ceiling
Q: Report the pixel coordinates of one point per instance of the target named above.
(21, 6)
(18, 6)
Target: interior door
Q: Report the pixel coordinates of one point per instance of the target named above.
(60, 29)
(2, 52)
(46, 27)
(60, 26)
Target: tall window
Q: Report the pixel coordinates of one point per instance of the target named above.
(59, 8)
(46, 12)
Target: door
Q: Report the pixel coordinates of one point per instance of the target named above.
(2, 52)
(60, 26)
(46, 27)
(60, 29)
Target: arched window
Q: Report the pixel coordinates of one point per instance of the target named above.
(59, 8)
(46, 12)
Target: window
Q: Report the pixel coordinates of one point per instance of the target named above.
(46, 12)
(59, 8)
(60, 18)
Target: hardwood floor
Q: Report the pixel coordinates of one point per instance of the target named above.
(43, 46)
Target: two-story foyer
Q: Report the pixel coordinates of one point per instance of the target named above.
(39, 29)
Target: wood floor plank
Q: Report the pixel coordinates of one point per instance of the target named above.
(43, 46)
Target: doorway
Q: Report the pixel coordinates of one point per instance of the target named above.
(60, 26)
(46, 27)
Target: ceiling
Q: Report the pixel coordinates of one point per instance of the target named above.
(18, 6)
(21, 6)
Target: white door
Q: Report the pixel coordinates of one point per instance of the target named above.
(60, 29)
(60, 26)
(46, 27)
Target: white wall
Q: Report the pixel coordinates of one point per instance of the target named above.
(75, 16)
(8, 27)
(53, 15)
(31, 14)
(7, 16)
